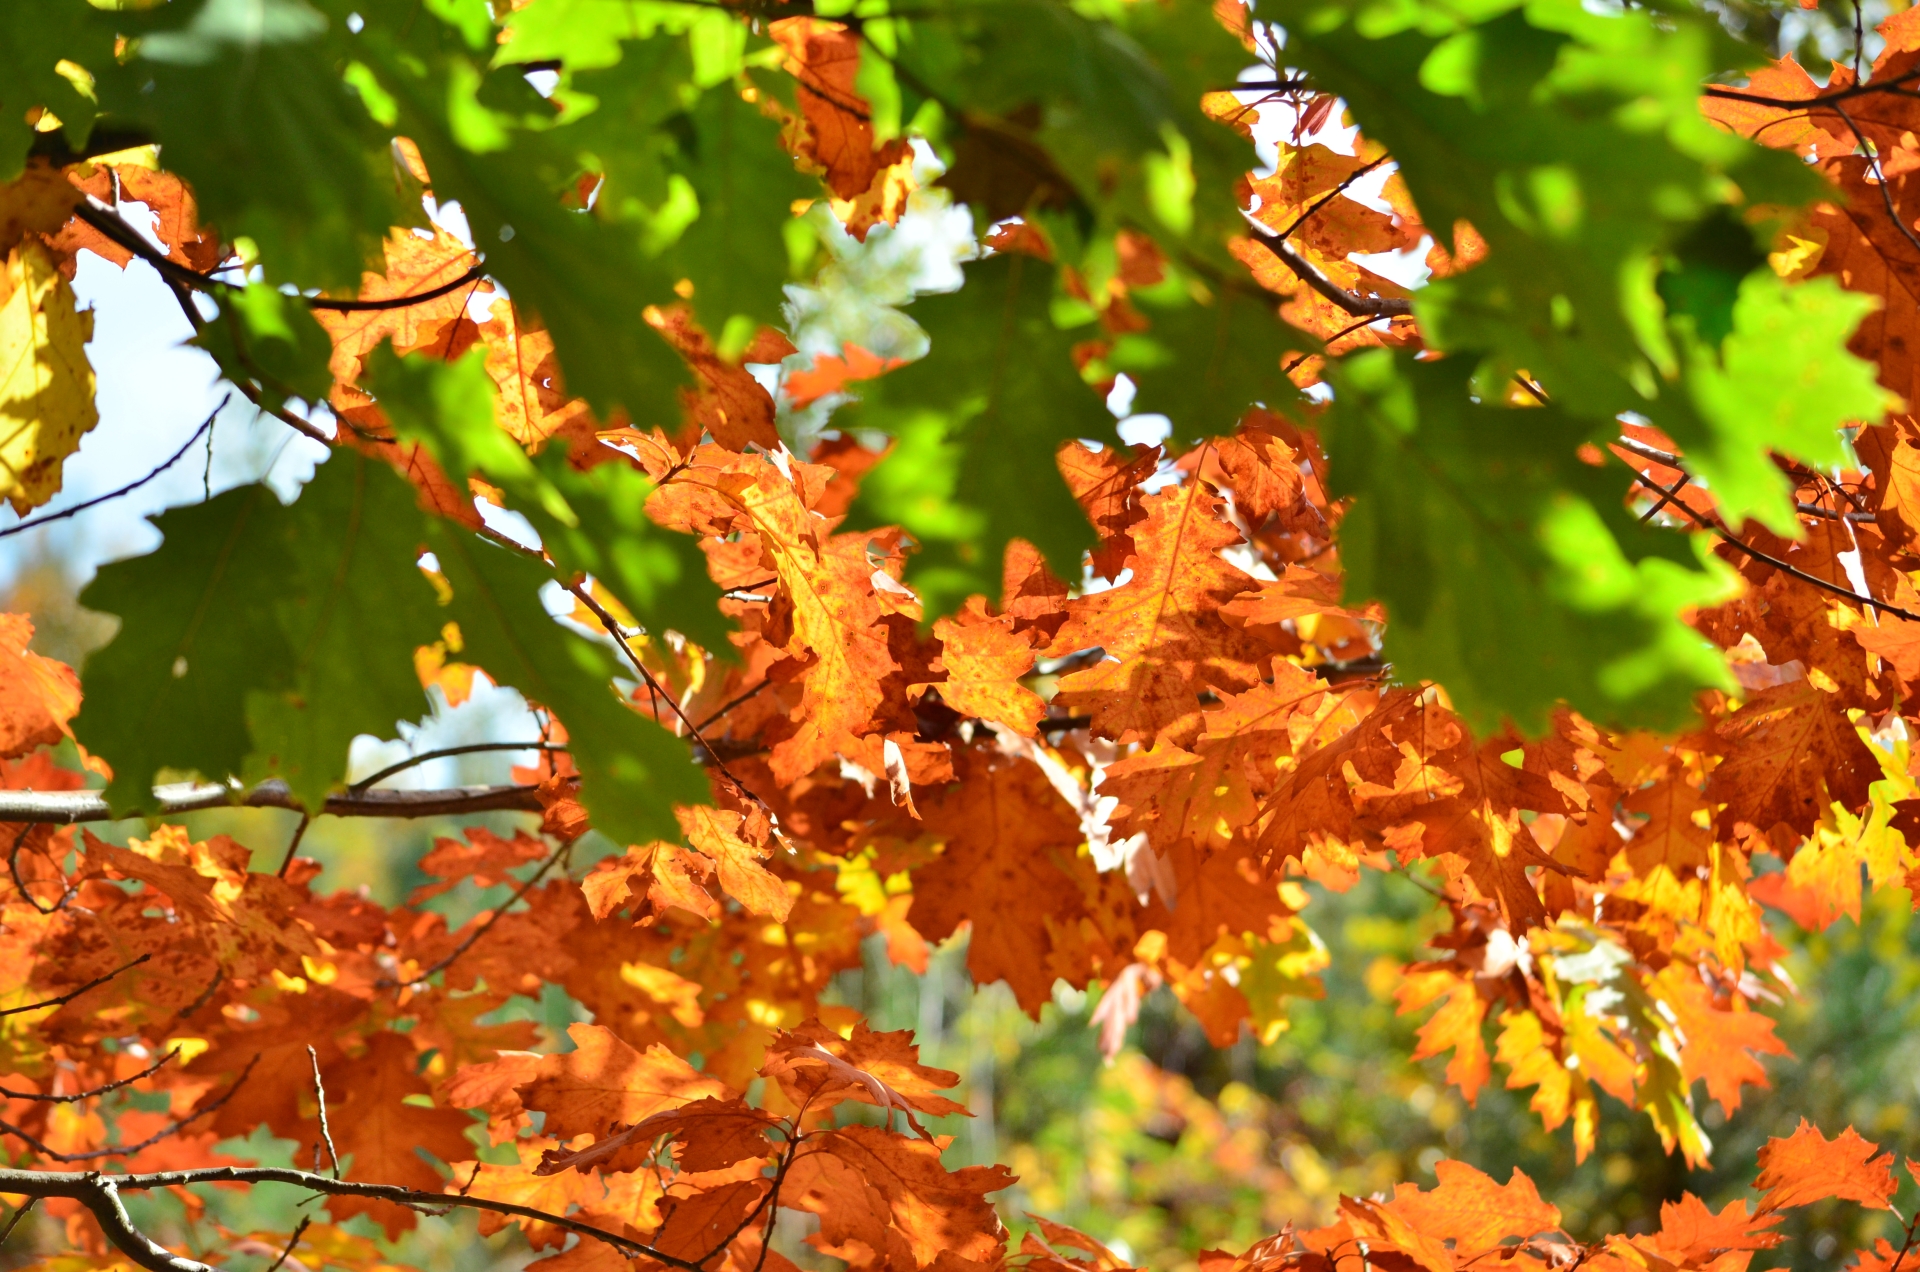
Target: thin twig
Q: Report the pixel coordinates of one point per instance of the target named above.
(128, 1150)
(13, 1220)
(299, 1231)
(613, 627)
(115, 227)
(1357, 305)
(748, 696)
(1768, 559)
(1822, 99)
(72, 994)
(293, 844)
(446, 752)
(475, 935)
(320, 1094)
(1330, 196)
(127, 489)
(1880, 179)
(95, 1092)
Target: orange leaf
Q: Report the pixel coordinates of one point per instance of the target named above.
(1807, 1167)
(604, 1081)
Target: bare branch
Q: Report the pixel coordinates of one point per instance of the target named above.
(127, 1150)
(445, 752)
(93, 1093)
(69, 807)
(129, 488)
(1357, 305)
(100, 1194)
(72, 994)
(320, 1094)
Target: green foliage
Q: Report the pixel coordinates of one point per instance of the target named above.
(1573, 142)
(1203, 362)
(1513, 575)
(632, 770)
(977, 421)
(267, 339)
(259, 640)
(591, 522)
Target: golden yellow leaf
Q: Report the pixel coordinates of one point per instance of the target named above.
(46, 383)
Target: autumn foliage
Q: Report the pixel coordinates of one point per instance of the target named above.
(1606, 633)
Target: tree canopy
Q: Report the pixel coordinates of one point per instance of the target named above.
(1535, 520)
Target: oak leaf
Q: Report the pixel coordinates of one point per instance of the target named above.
(1807, 1167)
(37, 695)
(604, 1081)
(46, 383)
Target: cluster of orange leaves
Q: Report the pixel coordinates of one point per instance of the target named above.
(1124, 784)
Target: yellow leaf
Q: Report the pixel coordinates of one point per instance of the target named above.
(46, 384)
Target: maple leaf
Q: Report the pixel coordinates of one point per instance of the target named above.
(1790, 751)
(720, 835)
(377, 1130)
(824, 57)
(604, 1081)
(984, 659)
(708, 1134)
(1472, 1212)
(1807, 1166)
(1164, 637)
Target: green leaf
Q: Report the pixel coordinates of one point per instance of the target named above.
(1769, 382)
(198, 633)
(591, 522)
(1203, 363)
(1572, 140)
(261, 639)
(250, 104)
(977, 422)
(354, 609)
(34, 40)
(1511, 573)
(632, 770)
(268, 339)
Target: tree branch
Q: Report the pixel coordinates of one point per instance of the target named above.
(1357, 305)
(127, 489)
(100, 1193)
(66, 808)
(446, 752)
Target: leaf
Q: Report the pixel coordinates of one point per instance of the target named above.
(1009, 846)
(378, 1130)
(892, 1195)
(1509, 571)
(604, 1082)
(1203, 364)
(37, 695)
(1474, 1213)
(1790, 751)
(984, 660)
(817, 1068)
(633, 770)
(1162, 631)
(736, 861)
(415, 264)
(46, 382)
(976, 423)
(708, 1134)
(1807, 1166)
(264, 339)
